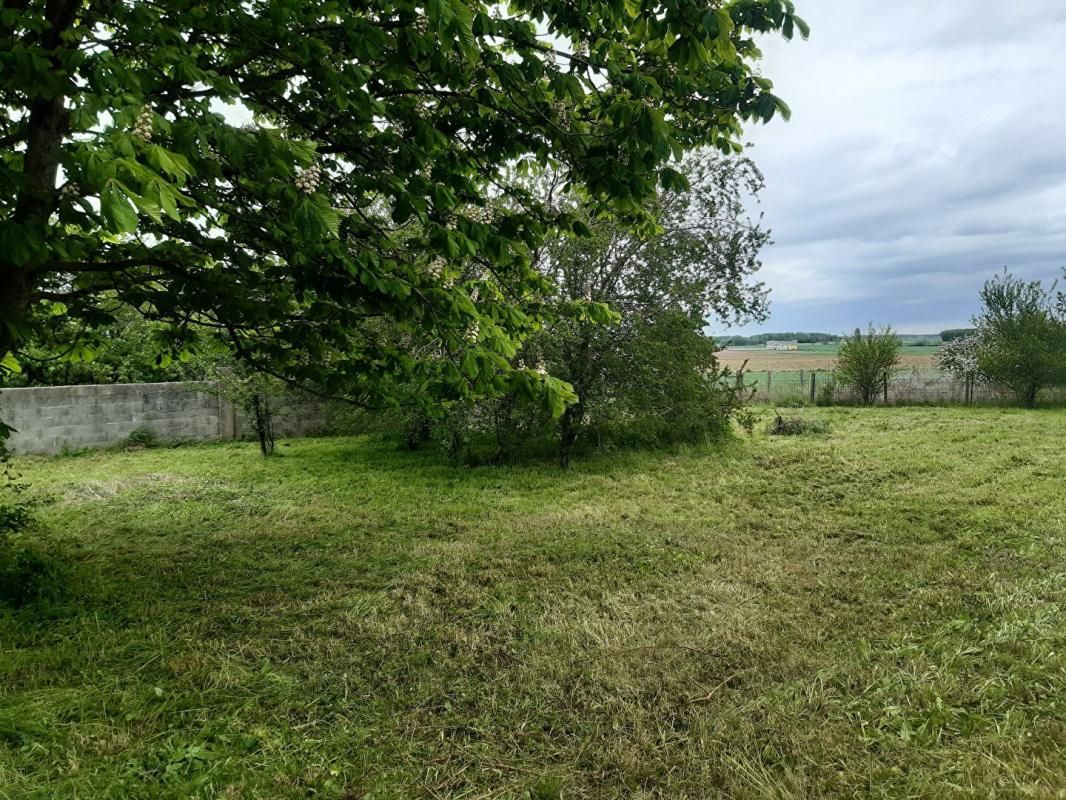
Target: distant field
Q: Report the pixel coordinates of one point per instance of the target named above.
(812, 356)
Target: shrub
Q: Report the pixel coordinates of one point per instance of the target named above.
(649, 382)
(141, 438)
(16, 512)
(795, 426)
(261, 396)
(25, 575)
(791, 401)
(826, 392)
(866, 361)
(1020, 344)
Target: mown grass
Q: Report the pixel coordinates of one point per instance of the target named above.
(876, 612)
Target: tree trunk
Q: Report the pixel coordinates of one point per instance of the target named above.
(419, 432)
(47, 125)
(264, 424)
(569, 427)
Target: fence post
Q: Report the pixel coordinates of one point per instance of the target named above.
(814, 379)
(769, 379)
(886, 388)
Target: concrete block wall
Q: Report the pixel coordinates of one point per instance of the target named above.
(49, 419)
(292, 417)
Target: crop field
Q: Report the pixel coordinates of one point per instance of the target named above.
(876, 611)
(813, 356)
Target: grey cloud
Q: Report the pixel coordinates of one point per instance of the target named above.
(925, 153)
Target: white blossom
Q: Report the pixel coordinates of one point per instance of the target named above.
(960, 357)
(307, 180)
(145, 125)
(479, 214)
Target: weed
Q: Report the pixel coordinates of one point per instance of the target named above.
(796, 426)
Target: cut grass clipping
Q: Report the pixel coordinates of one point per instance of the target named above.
(880, 613)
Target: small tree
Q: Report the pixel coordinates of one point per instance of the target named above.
(257, 394)
(1021, 334)
(866, 360)
(959, 358)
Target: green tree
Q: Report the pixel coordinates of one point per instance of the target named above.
(954, 334)
(699, 264)
(128, 349)
(1021, 337)
(866, 360)
(375, 138)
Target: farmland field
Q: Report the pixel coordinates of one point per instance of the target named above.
(813, 356)
(879, 611)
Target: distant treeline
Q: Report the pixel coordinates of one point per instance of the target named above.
(763, 338)
(912, 339)
(952, 334)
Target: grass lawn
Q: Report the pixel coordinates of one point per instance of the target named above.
(880, 611)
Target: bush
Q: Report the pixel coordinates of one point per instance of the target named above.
(826, 392)
(25, 575)
(791, 401)
(261, 396)
(141, 438)
(1020, 344)
(866, 361)
(651, 382)
(795, 426)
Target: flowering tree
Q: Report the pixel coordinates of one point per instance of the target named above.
(290, 174)
(959, 357)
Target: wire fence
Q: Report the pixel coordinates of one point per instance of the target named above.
(905, 387)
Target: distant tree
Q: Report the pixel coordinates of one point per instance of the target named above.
(958, 357)
(951, 334)
(763, 338)
(1021, 337)
(866, 360)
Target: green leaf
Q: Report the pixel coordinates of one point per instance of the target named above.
(558, 395)
(10, 364)
(118, 213)
(710, 24)
(327, 215)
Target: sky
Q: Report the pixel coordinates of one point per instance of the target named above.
(926, 152)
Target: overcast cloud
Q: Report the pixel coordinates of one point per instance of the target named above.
(926, 151)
